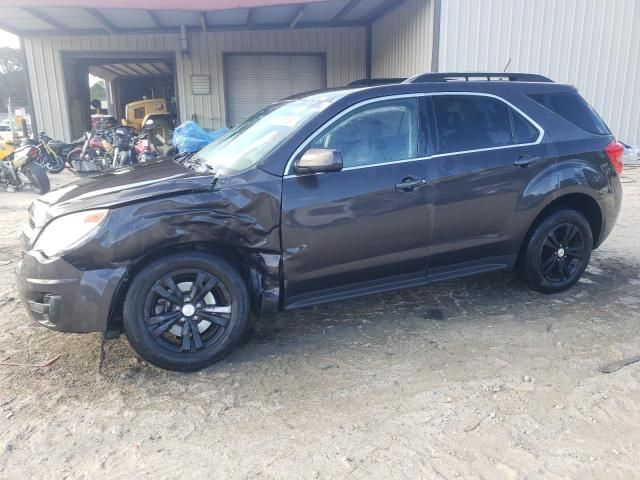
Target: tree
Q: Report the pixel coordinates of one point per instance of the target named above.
(10, 60)
(98, 91)
(12, 82)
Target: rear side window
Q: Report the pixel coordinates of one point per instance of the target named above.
(572, 107)
(471, 122)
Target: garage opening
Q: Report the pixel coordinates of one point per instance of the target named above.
(126, 79)
(253, 81)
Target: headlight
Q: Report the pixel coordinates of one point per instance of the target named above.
(68, 231)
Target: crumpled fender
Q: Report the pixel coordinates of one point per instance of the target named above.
(240, 213)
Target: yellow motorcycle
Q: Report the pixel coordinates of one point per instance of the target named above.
(18, 168)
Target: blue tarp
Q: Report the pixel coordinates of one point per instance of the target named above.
(189, 137)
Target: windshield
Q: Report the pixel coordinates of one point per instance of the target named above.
(248, 143)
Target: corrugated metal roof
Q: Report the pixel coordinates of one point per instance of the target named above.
(116, 69)
(198, 5)
(73, 17)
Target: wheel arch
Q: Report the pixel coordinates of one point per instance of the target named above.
(579, 201)
(236, 257)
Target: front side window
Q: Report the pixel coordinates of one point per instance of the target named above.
(470, 122)
(380, 132)
(248, 143)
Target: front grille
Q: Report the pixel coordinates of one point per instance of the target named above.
(32, 224)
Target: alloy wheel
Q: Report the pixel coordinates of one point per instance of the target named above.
(564, 251)
(187, 310)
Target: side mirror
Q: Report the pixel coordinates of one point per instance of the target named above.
(317, 160)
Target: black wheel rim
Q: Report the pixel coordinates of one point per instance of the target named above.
(563, 254)
(187, 310)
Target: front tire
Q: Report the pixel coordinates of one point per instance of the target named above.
(53, 163)
(123, 159)
(38, 179)
(557, 252)
(186, 311)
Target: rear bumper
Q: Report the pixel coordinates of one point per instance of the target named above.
(59, 296)
(610, 204)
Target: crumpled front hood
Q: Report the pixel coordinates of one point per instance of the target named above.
(125, 186)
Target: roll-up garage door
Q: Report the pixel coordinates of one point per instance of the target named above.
(255, 81)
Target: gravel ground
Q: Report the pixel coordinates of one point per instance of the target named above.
(476, 378)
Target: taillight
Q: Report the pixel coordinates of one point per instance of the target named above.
(615, 151)
(33, 152)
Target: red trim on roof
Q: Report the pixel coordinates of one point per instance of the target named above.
(201, 5)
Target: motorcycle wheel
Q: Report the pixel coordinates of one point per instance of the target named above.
(38, 178)
(73, 155)
(52, 164)
(123, 159)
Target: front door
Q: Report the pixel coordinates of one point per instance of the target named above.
(357, 230)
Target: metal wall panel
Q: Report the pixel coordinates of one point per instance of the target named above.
(591, 44)
(344, 49)
(402, 41)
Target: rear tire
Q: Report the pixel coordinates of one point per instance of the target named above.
(38, 178)
(186, 311)
(557, 252)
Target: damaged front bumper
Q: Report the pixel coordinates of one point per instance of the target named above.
(61, 297)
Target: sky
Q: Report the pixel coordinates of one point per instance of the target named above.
(8, 40)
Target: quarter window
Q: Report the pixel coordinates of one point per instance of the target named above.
(572, 107)
(380, 132)
(470, 122)
(523, 131)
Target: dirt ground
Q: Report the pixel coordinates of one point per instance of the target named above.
(476, 378)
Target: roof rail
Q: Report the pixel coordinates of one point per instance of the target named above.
(371, 82)
(457, 76)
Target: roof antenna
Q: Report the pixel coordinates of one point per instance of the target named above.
(507, 65)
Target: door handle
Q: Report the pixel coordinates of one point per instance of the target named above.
(409, 184)
(526, 160)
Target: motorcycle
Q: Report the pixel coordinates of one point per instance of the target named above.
(52, 152)
(145, 151)
(96, 154)
(123, 147)
(19, 168)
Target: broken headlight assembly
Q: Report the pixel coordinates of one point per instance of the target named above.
(69, 231)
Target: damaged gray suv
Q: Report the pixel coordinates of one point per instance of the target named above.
(323, 197)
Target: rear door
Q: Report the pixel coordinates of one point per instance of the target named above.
(360, 229)
(486, 152)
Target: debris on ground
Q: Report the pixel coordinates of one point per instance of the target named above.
(44, 364)
(617, 365)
